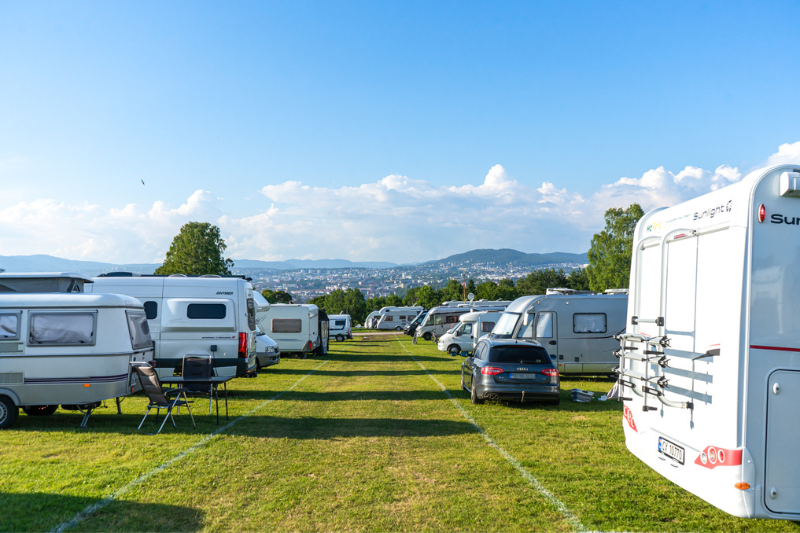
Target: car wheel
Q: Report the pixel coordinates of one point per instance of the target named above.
(40, 410)
(339, 338)
(473, 394)
(454, 350)
(8, 412)
(398, 328)
(427, 335)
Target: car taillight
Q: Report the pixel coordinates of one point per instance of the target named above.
(243, 345)
(491, 370)
(310, 346)
(552, 372)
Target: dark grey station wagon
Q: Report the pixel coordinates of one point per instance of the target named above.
(510, 369)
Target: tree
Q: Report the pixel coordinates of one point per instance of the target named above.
(471, 287)
(196, 250)
(539, 281)
(486, 291)
(277, 297)
(394, 300)
(506, 290)
(611, 250)
(578, 280)
(411, 297)
(452, 291)
(428, 297)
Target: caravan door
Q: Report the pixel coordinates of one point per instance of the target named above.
(546, 332)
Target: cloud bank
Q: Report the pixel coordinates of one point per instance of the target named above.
(395, 219)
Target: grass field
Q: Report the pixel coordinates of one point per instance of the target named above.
(362, 440)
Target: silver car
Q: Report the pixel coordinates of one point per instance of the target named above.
(268, 352)
(510, 369)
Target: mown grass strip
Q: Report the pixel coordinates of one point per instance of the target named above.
(555, 502)
(92, 509)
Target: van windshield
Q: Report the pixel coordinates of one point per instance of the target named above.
(505, 326)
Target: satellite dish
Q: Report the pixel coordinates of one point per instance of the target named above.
(471, 296)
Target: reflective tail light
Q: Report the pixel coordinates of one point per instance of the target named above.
(243, 345)
(491, 370)
(552, 372)
(310, 346)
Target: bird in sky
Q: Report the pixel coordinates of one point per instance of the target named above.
(142, 181)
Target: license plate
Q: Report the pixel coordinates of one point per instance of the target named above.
(671, 450)
(522, 375)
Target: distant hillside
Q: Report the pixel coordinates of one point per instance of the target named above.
(48, 263)
(506, 256)
(291, 264)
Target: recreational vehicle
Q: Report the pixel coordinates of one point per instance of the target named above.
(73, 350)
(443, 318)
(209, 315)
(42, 282)
(339, 327)
(710, 363)
(576, 328)
(397, 319)
(297, 328)
(471, 327)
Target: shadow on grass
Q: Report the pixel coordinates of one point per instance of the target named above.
(386, 358)
(354, 373)
(346, 396)
(43, 512)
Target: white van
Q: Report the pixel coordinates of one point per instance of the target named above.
(710, 364)
(576, 328)
(471, 327)
(441, 319)
(73, 350)
(339, 327)
(297, 328)
(209, 315)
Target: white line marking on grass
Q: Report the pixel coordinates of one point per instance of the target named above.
(535, 483)
(90, 510)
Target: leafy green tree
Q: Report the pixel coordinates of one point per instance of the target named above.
(428, 297)
(196, 250)
(319, 301)
(452, 291)
(394, 300)
(471, 288)
(611, 250)
(374, 304)
(487, 290)
(411, 297)
(539, 281)
(506, 290)
(277, 297)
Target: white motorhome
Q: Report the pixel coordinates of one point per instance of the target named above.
(209, 315)
(576, 328)
(710, 364)
(443, 318)
(397, 318)
(472, 326)
(73, 350)
(297, 328)
(339, 327)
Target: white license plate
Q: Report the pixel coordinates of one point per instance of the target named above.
(671, 450)
(522, 375)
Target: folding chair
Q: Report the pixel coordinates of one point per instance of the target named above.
(159, 398)
(200, 367)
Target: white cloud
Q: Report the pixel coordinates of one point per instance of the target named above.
(395, 218)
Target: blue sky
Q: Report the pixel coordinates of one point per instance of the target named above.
(365, 130)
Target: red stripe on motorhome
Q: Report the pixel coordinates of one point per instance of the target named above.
(776, 348)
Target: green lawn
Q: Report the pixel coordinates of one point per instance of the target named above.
(366, 442)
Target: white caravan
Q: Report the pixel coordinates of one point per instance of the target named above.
(339, 327)
(576, 328)
(268, 353)
(209, 315)
(471, 327)
(710, 364)
(397, 318)
(31, 282)
(73, 350)
(297, 328)
(441, 319)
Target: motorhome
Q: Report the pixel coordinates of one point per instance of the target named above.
(471, 327)
(297, 328)
(397, 319)
(710, 363)
(339, 327)
(411, 327)
(441, 319)
(268, 353)
(576, 328)
(209, 315)
(31, 282)
(73, 350)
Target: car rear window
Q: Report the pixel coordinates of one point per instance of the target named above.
(530, 355)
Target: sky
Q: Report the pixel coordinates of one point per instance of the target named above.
(397, 131)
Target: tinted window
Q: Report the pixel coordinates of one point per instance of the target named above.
(451, 319)
(287, 325)
(530, 355)
(206, 311)
(339, 323)
(589, 323)
(251, 313)
(487, 327)
(388, 319)
(151, 310)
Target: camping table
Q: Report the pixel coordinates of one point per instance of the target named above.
(214, 381)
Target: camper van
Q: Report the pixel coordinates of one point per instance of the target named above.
(471, 327)
(209, 315)
(710, 363)
(73, 350)
(339, 327)
(443, 318)
(297, 328)
(576, 328)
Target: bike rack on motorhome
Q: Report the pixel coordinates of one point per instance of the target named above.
(710, 364)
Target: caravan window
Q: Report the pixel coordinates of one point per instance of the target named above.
(287, 325)
(451, 319)
(251, 313)
(139, 330)
(544, 326)
(339, 323)
(151, 310)
(388, 318)
(62, 328)
(9, 326)
(487, 327)
(206, 311)
(589, 323)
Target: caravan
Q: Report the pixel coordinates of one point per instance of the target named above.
(441, 319)
(396, 318)
(710, 364)
(472, 326)
(339, 327)
(576, 328)
(298, 328)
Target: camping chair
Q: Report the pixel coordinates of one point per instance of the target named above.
(159, 398)
(200, 367)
